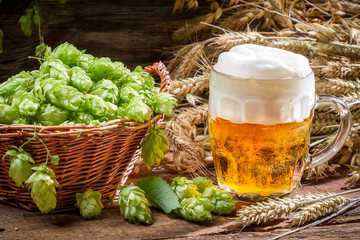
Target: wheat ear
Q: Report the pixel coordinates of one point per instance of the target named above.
(318, 209)
(231, 39)
(342, 210)
(194, 115)
(296, 46)
(194, 85)
(341, 69)
(337, 86)
(270, 209)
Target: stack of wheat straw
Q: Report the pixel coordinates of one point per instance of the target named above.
(327, 32)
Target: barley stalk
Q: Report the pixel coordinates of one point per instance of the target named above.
(189, 29)
(270, 209)
(323, 123)
(337, 86)
(182, 143)
(195, 85)
(344, 209)
(189, 61)
(262, 212)
(194, 115)
(338, 69)
(238, 20)
(322, 170)
(351, 51)
(231, 39)
(296, 46)
(354, 175)
(318, 209)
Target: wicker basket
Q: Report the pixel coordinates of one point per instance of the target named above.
(97, 157)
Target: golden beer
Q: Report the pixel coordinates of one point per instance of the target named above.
(255, 160)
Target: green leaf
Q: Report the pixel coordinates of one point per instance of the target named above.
(158, 193)
(154, 146)
(54, 159)
(11, 153)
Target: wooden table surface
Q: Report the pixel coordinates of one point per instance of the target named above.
(112, 225)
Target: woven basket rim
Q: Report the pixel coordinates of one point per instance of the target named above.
(47, 131)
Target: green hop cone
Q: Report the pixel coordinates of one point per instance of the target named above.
(202, 183)
(184, 188)
(89, 203)
(20, 169)
(134, 206)
(42, 184)
(222, 200)
(195, 209)
(163, 103)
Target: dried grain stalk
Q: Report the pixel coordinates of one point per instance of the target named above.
(296, 46)
(318, 209)
(323, 123)
(194, 115)
(270, 209)
(323, 170)
(231, 39)
(340, 69)
(354, 175)
(193, 85)
(239, 19)
(337, 86)
(186, 62)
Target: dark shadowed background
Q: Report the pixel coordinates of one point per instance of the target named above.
(133, 32)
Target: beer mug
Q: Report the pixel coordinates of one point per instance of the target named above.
(261, 106)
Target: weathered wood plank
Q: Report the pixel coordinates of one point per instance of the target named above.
(112, 225)
(129, 31)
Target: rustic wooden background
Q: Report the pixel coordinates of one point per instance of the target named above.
(134, 32)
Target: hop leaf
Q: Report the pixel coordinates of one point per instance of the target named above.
(25, 23)
(89, 203)
(54, 159)
(202, 183)
(184, 188)
(195, 209)
(158, 193)
(222, 200)
(42, 184)
(20, 169)
(134, 206)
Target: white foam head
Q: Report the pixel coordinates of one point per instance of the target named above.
(257, 84)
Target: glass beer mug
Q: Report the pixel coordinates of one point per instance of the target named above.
(260, 111)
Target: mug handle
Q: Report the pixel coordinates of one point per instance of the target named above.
(338, 141)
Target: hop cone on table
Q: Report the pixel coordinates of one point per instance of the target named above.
(201, 183)
(195, 209)
(20, 169)
(89, 203)
(184, 188)
(222, 200)
(42, 184)
(134, 206)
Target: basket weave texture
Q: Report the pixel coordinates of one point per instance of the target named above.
(97, 157)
